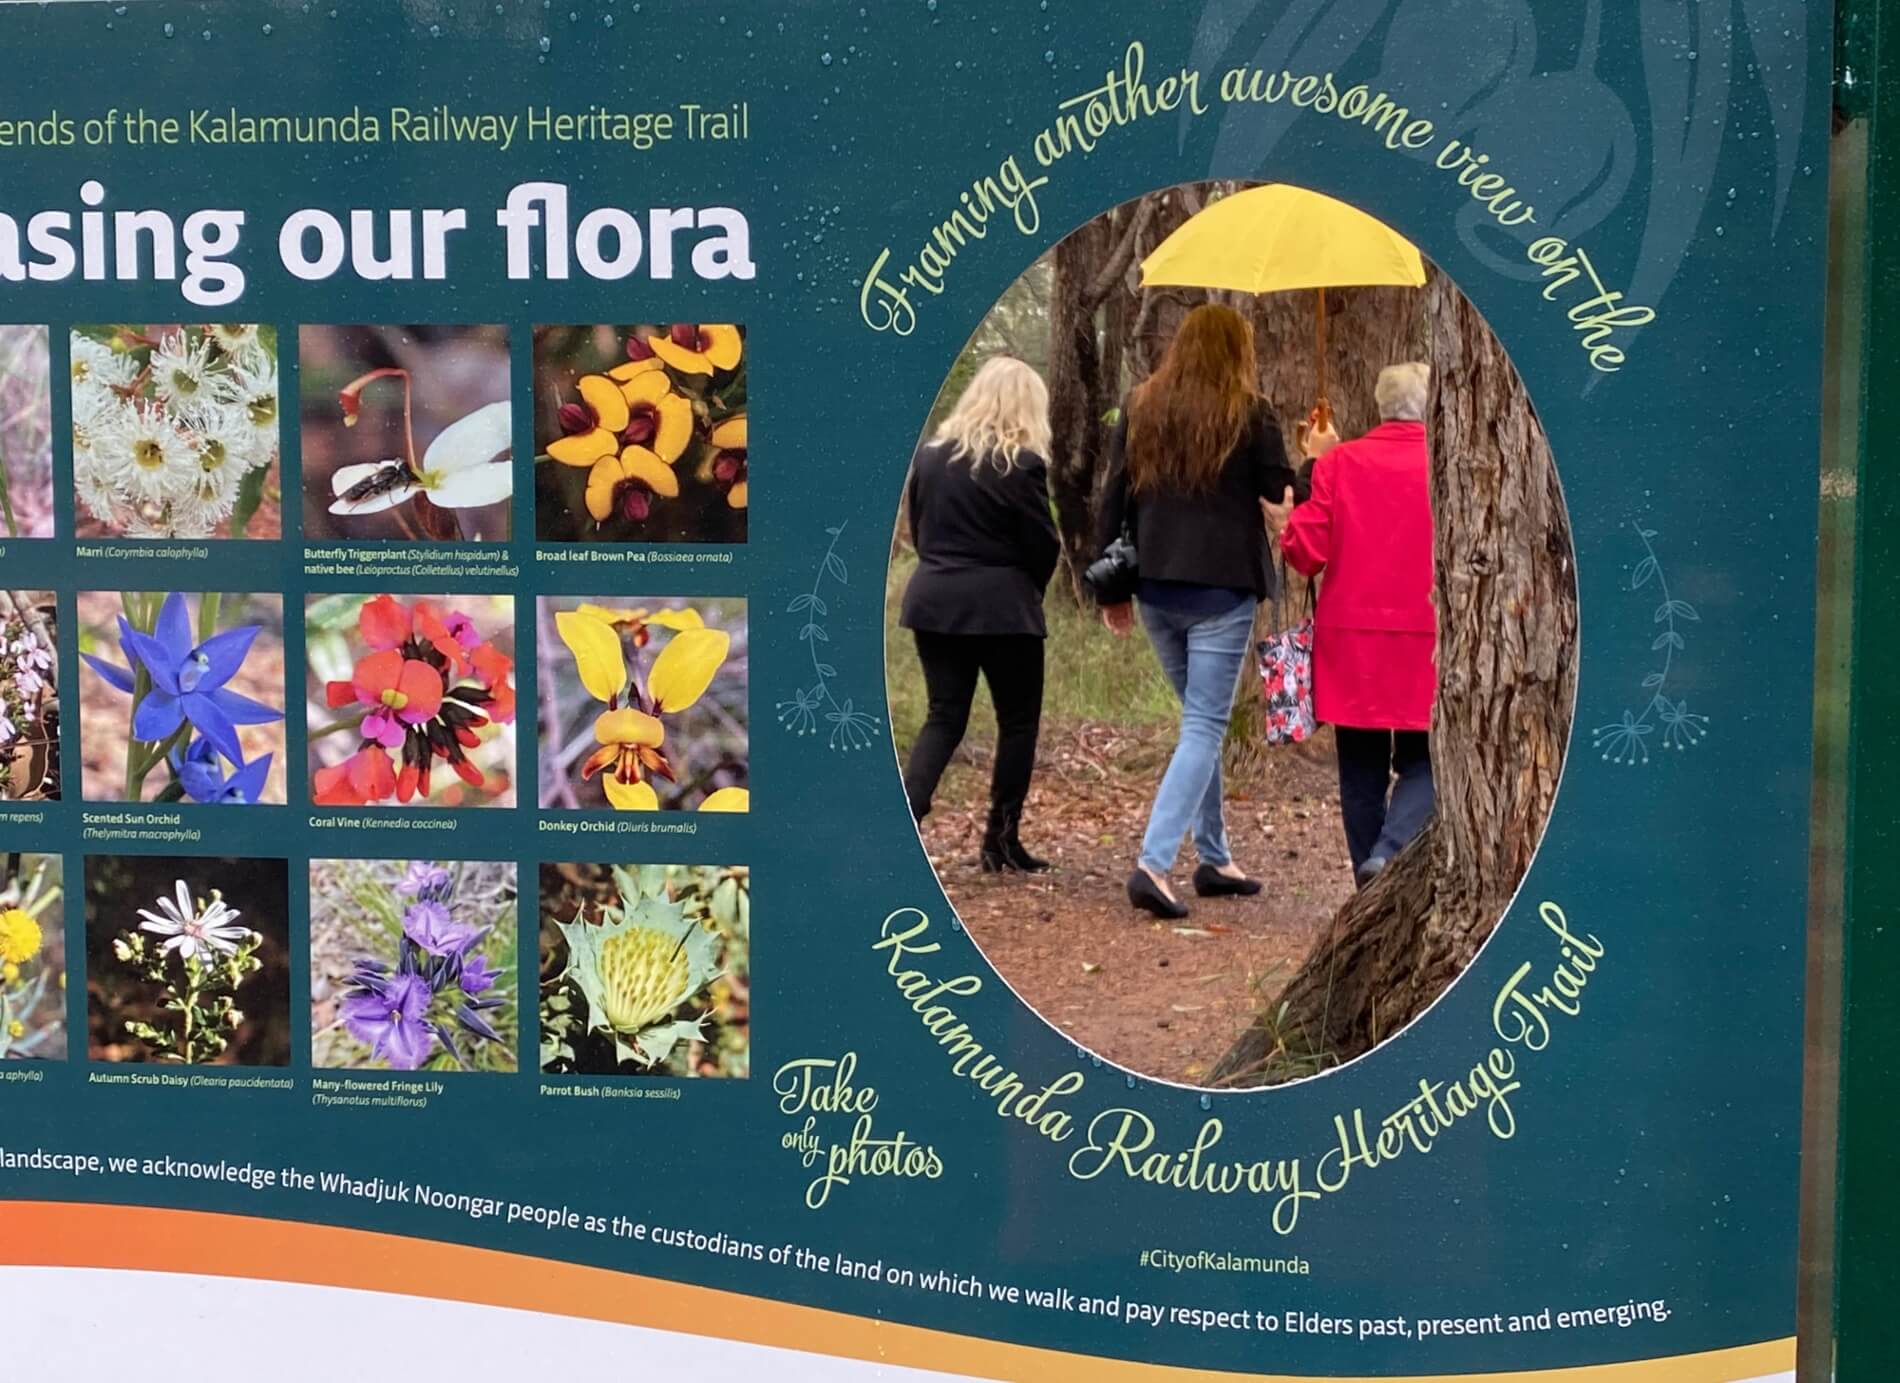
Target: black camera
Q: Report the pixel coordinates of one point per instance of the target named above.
(1112, 577)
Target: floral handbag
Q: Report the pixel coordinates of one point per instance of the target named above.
(1286, 677)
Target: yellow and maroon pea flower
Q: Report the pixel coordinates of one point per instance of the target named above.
(729, 459)
(696, 348)
(628, 483)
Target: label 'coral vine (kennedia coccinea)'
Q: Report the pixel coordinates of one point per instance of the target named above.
(430, 683)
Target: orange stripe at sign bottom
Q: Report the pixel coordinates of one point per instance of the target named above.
(47, 1234)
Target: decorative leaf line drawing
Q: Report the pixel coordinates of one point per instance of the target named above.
(1674, 725)
(801, 713)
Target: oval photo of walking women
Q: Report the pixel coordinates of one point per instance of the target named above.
(1231, 634)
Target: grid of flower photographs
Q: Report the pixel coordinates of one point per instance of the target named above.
(640, 433)
(178, 697)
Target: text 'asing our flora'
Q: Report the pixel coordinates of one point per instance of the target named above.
(543, 237)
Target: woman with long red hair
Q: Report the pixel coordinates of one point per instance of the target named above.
(1196, 450)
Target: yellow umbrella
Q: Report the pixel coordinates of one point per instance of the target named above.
(1276, 238)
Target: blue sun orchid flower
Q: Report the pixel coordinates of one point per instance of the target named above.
(200, 773)
(187, 678)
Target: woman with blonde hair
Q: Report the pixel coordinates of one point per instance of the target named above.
(1196, 450)
(978, 498)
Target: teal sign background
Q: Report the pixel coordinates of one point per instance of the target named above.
(1655, 1139)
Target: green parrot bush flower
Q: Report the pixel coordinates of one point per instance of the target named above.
(651, 984)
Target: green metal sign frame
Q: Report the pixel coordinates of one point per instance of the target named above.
(1867, 1245)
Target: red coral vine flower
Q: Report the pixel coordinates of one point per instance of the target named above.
(419, 702)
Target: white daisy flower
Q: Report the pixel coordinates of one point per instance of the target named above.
(191, 931)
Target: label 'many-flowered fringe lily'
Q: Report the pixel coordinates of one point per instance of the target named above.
(636, 968)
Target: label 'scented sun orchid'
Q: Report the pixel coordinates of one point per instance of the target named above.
(636, 968)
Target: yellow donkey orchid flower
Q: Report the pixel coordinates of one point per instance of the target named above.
(629, 750)
(685, 668)
(727, 800)
(631, 739)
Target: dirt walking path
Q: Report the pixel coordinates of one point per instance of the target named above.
(1164, 999)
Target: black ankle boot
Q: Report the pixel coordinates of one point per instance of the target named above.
(1002, 850)
(1013, 850)
(993, 856)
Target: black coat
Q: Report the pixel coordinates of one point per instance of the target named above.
(1215, 538)
(986, 544)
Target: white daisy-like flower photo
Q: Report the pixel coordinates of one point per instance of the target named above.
(195, 932)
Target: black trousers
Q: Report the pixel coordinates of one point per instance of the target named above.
(1012, 665)
(1385, 789)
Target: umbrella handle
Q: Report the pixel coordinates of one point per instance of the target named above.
(1321, 418)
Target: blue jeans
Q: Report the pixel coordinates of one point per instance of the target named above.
(1201, 656)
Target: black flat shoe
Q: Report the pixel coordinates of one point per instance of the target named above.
(1144, 894)
(1209, 882)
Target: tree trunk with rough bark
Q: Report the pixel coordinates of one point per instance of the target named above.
(1507, 624)
(1075, 426)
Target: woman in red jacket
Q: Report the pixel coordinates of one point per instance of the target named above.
(1367, 533)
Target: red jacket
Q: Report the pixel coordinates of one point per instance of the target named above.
(1368, 528)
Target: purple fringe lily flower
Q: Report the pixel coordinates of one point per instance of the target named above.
(390, 1015)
